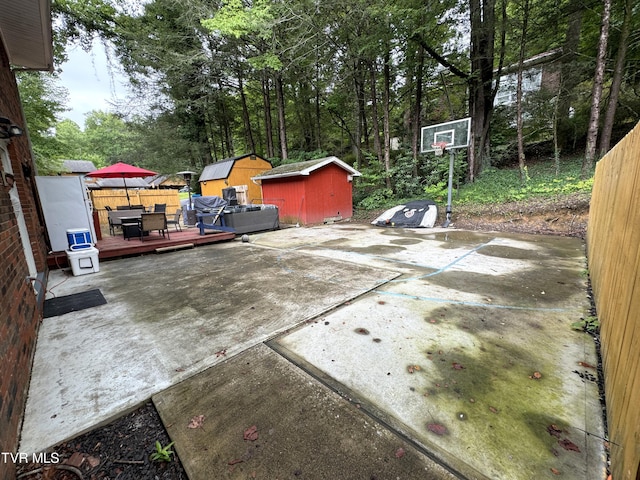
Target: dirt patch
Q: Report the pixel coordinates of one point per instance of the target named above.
(120, 450)
(563, 215)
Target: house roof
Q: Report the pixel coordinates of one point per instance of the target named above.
(77, 166)
(533, 61)
(305, 168)
(221, 170)
(157, 180)
(25, 27)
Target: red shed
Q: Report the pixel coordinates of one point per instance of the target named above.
(314, 191)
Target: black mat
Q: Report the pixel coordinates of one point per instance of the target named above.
(72, 303)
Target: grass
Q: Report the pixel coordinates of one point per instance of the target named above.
(504, 185)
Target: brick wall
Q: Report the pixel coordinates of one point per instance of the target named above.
(20, 313)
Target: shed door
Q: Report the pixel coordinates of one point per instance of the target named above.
(337, 195)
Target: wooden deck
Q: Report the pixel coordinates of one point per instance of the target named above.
(117, 246)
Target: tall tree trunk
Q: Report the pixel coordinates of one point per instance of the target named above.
(209, 122)
(377, 147)
(592, 134)
(282, 128)
(556, 139)
(318, 126)
(307, 124)
(416, 127)
(357, 126)
(226, 136)
(386, 105)
(519, 121)
(361, 76)
(268, 127)
(570, 75)
(318, 121)
(482, 13)
(616, 82)
(248, 134)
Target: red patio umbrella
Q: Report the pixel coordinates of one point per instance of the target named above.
(123, 171)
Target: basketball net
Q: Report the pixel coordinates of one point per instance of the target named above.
(438, 148)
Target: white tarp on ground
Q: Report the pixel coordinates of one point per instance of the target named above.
(416, 214)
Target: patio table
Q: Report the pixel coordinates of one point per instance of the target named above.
(130, 226)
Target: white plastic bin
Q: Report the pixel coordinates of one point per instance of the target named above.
(84, 261)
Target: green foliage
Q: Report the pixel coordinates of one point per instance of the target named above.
(162, 454)
(370, 191)
(588, 324)
(237, 19)
(41, 96)
(406, 183)
(379, 198)
(437, 192)
(431, 180)
(210, 69)
(503, 185)
(436, 174)
(297, 156)
(493, 186)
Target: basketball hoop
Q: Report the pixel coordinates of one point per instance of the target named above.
(438, 148)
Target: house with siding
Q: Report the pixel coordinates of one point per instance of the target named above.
(25, 43)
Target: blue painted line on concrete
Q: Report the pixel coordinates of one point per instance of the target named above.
(472, 304)
(446, 267)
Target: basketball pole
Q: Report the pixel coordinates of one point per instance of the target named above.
(448, 211)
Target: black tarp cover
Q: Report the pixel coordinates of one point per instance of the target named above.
(416, 214)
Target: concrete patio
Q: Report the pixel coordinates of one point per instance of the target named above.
(355, 351)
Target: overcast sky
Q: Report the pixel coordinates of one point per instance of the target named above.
(90, 83)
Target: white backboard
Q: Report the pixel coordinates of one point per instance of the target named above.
(455, 134)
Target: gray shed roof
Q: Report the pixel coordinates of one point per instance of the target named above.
(221, 170)
(78, 166)
(217, 171)
(305, 168)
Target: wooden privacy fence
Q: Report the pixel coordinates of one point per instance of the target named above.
(148, 198)
(613, 251)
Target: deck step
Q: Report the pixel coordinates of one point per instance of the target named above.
(171, 248)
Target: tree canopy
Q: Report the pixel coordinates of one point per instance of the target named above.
(294, 79)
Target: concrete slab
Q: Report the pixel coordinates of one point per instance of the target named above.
(451, 357)
(470, 371)
(455, 345)
(168, 317)
(301, 428)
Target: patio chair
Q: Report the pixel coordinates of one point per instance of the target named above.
(160, 207)
(123, 207)
(208, 220)
(153, 221)
(138, 207)
(176, 220)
